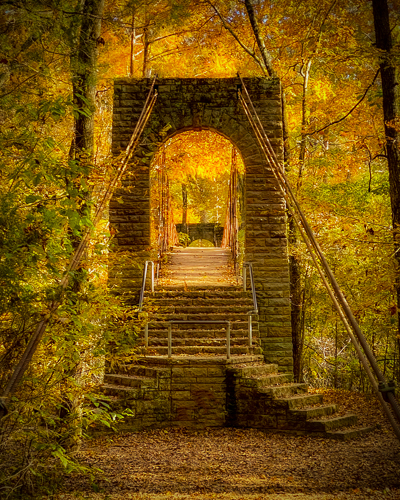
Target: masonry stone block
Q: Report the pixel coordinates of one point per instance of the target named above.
(186, 104)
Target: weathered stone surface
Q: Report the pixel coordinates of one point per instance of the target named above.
(187, 104)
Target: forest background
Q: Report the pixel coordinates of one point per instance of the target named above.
(58, 59)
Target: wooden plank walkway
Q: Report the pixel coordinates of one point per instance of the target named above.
(197, 268)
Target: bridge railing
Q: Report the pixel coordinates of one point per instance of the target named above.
(385, 391)
(248, 266)
(144, 279)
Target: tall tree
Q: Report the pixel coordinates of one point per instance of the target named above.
(84, 73)
(294, 264)
(391, 116)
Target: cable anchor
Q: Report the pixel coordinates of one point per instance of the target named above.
(385, 388)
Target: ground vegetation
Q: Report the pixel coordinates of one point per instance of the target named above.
(58, 59)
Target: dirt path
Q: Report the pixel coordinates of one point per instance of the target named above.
(197, 267)
(230, 464)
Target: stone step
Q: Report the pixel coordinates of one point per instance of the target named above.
(199, 333)
(330, 424)
(193, 350)
(221, 316)
(319, 411)
(129, 380)
(346, 434)
(203, 310)
(226, 292)
(296, 402)
(255, 370)
(285, 391)
(240, 360)
(236, 341)
(121, 391)
(142, 371)
(202, 302)
(163, 324)
(274, 379)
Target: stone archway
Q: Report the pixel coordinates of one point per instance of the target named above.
(196, 104)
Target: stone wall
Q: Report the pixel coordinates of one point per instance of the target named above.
(203, 231)
(178, 392)
(212, 104)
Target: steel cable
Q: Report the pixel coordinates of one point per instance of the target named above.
(313, 247)
(77, 255)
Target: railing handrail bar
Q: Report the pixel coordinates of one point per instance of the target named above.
(199, 321)
(253, 288)
(143, 287)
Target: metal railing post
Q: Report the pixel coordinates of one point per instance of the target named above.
(146, 335)
(143, 287)
(228, 341)
(244, 278)
(250, 330)
(169, 340)
(152, 276)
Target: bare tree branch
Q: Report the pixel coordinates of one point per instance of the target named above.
(244, 47)
(352, 109)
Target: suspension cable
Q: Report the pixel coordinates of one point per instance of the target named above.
(322, 266)
(79, 252)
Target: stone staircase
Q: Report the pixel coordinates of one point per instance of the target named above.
(206, 339)
(260, 397)
(212, 391)
(198, 387)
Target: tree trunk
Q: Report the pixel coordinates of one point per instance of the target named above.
(391, 115)
(294, 265)
(303, 141)
(133, 43)
(260, 42)
(83, 68)
(83, 75)
(184, 208)
(145, 44)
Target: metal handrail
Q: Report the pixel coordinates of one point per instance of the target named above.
(253, 288)
(196, 322)
(141, 296)
(252, 313)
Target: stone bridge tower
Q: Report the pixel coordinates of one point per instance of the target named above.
(212, 104)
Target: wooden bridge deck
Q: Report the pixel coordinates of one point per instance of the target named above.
(199, 268)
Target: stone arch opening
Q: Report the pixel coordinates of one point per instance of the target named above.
(197, 104)
(190, 178)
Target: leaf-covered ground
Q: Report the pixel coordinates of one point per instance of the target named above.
(231, 464)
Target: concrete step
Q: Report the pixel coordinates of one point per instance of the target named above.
(319, 411)
(129, 380)
(330, 424)
(296, 402)
(346, 434)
